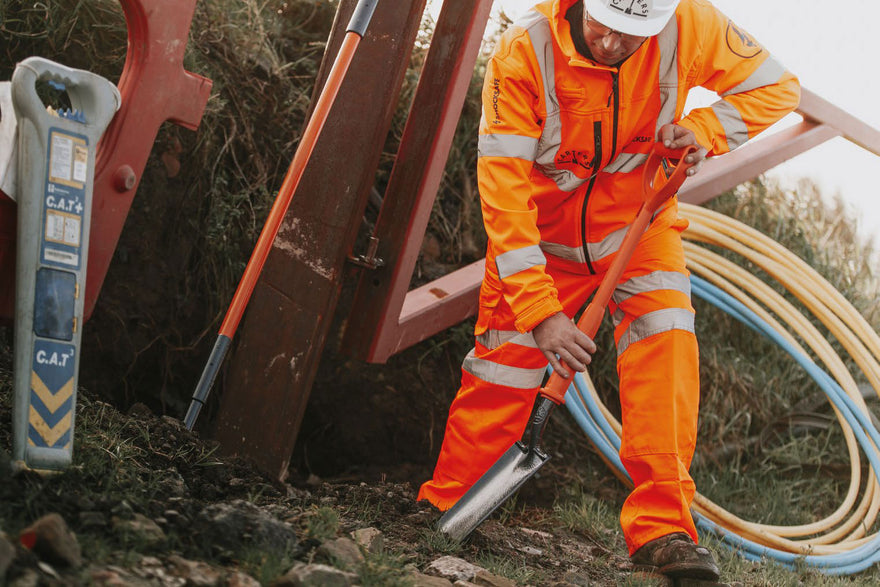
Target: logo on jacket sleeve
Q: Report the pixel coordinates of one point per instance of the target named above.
(741, 42)
(496, 95)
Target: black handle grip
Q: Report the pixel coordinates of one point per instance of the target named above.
(206, 382)
(363, 12)
(540, 416)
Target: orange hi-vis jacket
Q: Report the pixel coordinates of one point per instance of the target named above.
(562, 139)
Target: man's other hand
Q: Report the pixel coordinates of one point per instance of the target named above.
(674, 136)
(559, 338)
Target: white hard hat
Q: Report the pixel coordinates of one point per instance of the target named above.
(643, 18)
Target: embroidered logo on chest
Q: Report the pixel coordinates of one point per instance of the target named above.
(579, 158)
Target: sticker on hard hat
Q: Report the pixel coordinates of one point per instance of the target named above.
(631, 7)
(742, 43)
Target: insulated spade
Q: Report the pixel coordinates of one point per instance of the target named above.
(357, 27)
(524, 458)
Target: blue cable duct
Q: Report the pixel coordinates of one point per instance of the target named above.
(591, 419)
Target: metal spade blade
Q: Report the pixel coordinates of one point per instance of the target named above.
(500, 482)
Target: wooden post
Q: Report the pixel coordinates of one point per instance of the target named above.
(282, 336)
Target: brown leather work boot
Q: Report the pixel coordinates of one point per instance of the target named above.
(676, 555)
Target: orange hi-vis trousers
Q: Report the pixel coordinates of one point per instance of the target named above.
(658, 367)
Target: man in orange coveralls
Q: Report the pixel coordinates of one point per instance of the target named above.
(574, 96)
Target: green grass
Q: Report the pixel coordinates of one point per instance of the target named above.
(366, 512)
(517, 570)
(438, 542)
(265, 565)
(322, 523)
(384, 569)
(589, 516)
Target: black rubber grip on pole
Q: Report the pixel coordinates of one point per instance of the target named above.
(363, 12)
(206, 382)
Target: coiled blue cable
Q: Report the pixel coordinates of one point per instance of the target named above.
(590, 418)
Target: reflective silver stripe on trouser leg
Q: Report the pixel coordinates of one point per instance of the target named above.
(654, 281)
(654, 323)
(497, 374)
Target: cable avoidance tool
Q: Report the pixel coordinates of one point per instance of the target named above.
(55, 175)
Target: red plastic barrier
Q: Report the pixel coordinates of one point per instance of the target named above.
(155, 88)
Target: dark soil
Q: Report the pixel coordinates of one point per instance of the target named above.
(364, 464)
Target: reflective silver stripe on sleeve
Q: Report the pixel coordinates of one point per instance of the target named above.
(658, 280)
(732, 122)
(513, 262)
(490, 372)
(551, 137)
(667, 41)
(492, 339)
(767, 73)
(626, 162)
(655, 323)
(515, 146)
(575, 254)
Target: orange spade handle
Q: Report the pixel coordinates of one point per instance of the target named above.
(655, 195)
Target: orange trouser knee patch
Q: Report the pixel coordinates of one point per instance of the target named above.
(484, 421)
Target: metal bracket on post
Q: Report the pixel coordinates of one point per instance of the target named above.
(368, 260)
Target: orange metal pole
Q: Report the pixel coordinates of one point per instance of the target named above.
(288, 186)
(356, 29)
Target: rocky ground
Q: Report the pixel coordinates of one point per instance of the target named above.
(149, 503)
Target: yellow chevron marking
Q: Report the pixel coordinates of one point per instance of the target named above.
(65, 447)
(52, 401)
(50, 435)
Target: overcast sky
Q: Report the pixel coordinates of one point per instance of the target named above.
(829, 46)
